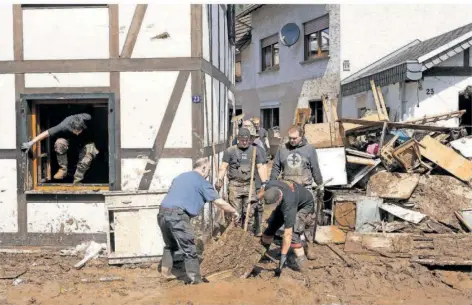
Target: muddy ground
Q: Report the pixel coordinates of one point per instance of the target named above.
(50, 279)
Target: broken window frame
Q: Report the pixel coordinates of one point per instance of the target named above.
(319, 111)
(29, 130)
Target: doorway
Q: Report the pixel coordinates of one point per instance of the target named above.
(465, 103)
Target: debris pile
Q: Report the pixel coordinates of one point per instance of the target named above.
(409, 185)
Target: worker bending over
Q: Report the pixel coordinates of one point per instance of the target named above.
(70, 129)
(294, 205)
(297, 161)
(186, 197)
(237, 161)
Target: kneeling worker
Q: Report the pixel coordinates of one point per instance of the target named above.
(294, 205)
(187, 195)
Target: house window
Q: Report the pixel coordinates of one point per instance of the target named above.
(238, 68)
(46, 112)
(270, 117)
(317, 114)
(270, 52)
(317, 37)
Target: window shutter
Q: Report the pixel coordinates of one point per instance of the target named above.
(270, 40)
(317, 24)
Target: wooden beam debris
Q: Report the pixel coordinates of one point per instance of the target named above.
(435, 118)
(379, 124)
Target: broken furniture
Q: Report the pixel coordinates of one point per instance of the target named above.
(133, 235)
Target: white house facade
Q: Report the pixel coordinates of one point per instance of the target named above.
(272, 79)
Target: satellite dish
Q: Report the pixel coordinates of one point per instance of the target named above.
(289, 34)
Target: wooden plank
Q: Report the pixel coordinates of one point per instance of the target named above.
(446, 158)
(329, 235)
(102, 65)
(382, 104)
(379, 124)
(133, 31)
(392, 185)
(324, 135)
(405, 214)
(360, 153)
(164, 129)
(375, 243)
(302, 116)
(114, 50)
(360, 160)
(67, 90)
(22, 161)
(363, 172)
(435, 118)
(345, 215)
(376, 100)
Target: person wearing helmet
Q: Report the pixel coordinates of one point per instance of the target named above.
(237, 161)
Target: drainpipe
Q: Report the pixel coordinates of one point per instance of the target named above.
(402, 99)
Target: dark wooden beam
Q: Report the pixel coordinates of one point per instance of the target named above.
(164, 128)
(448, 71)
(102, 65)
(114, 46)
(21, 169)
(67, 90)
(133, 31)
(209, 69)
(8, 153)
(467, 57)
(196, 36)
(50, 239)
(134, 153)
(208, 151)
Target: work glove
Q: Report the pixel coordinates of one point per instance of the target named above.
(218, 185)
(26, 146)
(283, 259)
(236, 217)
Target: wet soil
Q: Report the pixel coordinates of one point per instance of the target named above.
(51, 279)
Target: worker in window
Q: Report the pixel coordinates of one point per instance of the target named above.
(71, 127)
(294, 206)
(297, 161)
(237, 161)
(187, 195)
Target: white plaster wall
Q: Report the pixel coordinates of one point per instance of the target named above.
(167, 169)
(222, 35)
(7, 112)
(206, 23)
(391, 26)
(444, 99)
(159, 18)
(59, 217)
(8, 197)
(215, 35)
(49, 80)
(455, 61)
(6, 31)
(77, 33)
(144, 98)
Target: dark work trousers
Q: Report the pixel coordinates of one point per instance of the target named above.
(276, 220)
(259, 214)
(178, 234)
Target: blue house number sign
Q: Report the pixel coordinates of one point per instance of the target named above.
(196, 99)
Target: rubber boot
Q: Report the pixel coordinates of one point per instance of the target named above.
(62, 172)
(167, 263)
(301, 263)
(310, 251)
(192, 267)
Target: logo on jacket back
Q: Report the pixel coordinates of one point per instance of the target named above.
(294, 160)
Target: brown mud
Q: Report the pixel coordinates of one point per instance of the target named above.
(51, 279)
